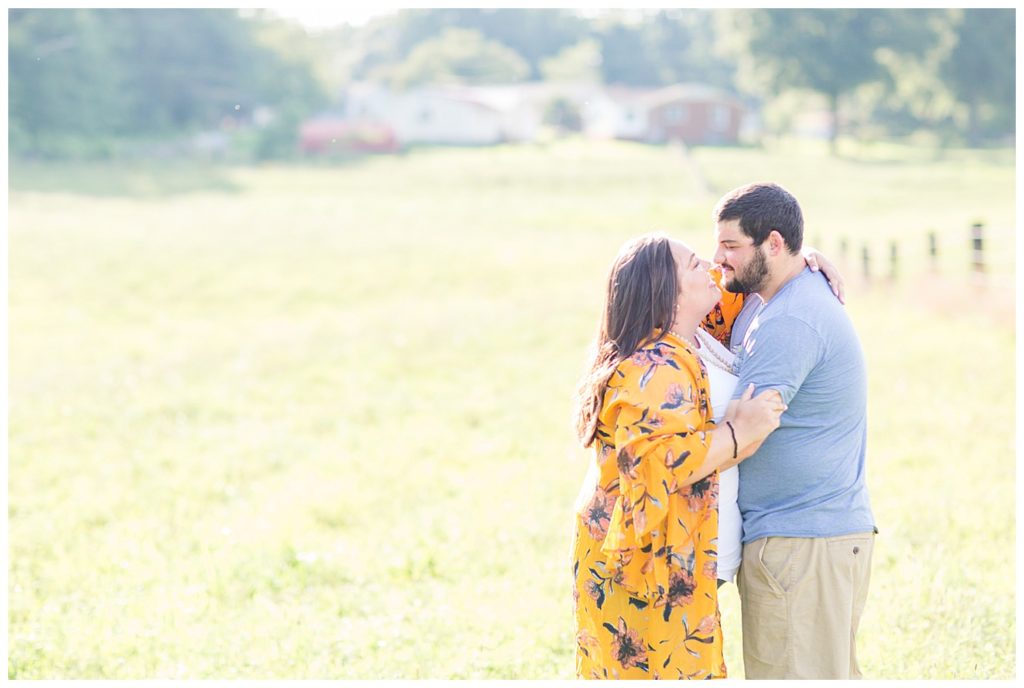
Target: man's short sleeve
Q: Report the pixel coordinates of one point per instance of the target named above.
(778, 353)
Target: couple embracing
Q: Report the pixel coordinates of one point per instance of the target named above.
(729, 432)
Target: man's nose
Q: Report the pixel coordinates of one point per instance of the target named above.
(719, 256)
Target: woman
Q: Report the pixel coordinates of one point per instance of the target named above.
(645, 556)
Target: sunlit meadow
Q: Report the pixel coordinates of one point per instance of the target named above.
(314, 421)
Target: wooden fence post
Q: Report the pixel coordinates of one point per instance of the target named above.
(933, 251)
(977, 253)
(866, 259)
(893, 261)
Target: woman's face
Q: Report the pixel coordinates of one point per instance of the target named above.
(698, 292)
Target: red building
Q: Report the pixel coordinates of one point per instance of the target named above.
(695, 114)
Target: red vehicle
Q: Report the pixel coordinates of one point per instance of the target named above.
(325, 136)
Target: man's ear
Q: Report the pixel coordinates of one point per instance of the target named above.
(776, 244)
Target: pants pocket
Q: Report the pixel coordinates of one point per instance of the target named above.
(774, 561)
(764, 631)
(765, 608)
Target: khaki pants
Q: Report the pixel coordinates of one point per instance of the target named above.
(802, 600)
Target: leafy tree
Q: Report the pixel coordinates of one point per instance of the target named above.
(627, 54)
(831, 51)
(65, 79)
(189, 67)
(981, 70)
(914, 97)
(460, 56)
(579, 62)
(564, 114)
(285, 70)
(648, 48)
(80, 77)
(535, 34)
(684, 47)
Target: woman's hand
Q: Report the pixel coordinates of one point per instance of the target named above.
(817, 261)
(754, 418)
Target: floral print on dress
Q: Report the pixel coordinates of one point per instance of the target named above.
(719, 321)
(628, 647)
(658, 354)
(711, 570)
(598, 513)
(675, 396)
(701, 495)
(645, 541)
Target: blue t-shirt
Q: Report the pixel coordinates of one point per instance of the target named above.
(807, 479)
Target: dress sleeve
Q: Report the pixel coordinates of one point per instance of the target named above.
(658, 414)
(719, 321)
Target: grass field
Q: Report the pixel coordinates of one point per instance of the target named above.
(313, 422)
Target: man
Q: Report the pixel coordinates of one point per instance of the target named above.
(808, 530)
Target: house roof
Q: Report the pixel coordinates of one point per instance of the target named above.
(504, 97)
(690, 92)
(489, 98)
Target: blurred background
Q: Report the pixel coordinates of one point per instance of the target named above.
(298, 301)
(263, 84)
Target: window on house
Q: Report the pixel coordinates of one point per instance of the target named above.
(719, 118)
(676, 114)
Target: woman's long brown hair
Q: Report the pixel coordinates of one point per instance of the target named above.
(639, 309)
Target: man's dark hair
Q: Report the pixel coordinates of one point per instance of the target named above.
(762, 207)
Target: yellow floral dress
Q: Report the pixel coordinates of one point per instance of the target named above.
(645, 553)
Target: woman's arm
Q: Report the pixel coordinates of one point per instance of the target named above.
(662, 442)
(657, 409)
(752, 419)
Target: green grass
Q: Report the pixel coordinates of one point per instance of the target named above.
(314, 422)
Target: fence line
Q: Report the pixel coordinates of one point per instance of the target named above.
(977, 264)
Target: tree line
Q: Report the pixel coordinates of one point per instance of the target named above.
(82, 79)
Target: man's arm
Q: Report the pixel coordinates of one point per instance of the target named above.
(778, 354)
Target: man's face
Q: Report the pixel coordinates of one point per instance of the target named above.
(744, 266)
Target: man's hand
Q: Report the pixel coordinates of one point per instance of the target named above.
(817, 261)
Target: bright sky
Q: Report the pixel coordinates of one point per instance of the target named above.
(315, 16)
(320, 16)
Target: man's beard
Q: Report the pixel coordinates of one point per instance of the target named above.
(754, 275)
